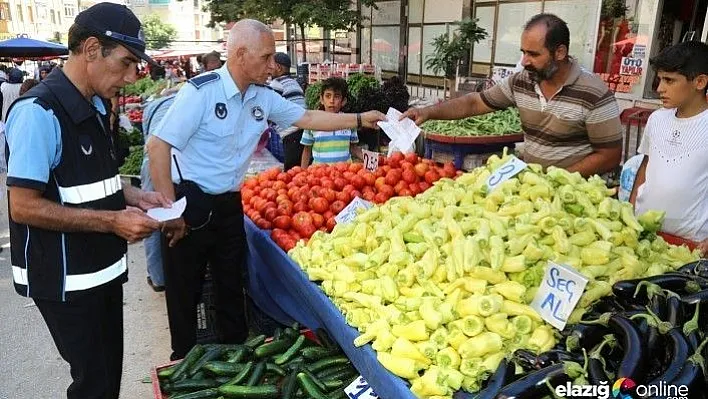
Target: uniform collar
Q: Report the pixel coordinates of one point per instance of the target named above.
(73, 102)
(230, 88)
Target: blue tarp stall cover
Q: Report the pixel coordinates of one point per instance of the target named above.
(24, 47)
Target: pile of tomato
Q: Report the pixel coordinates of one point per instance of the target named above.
(296, 203)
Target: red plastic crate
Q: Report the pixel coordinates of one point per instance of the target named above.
(156, 381)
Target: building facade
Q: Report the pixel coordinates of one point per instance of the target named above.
(187, 16)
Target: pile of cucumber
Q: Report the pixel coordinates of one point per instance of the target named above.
(288, 366)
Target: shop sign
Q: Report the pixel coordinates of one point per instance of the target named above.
(631, 66)
(620, 83)
(640, 51)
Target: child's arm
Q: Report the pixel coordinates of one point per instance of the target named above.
(356, 151)
(639, 180)
(306, 156)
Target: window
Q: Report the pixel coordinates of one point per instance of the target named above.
(30, 16)
(19, 13)
(52, 17)
(196, 3)
(69, 10)
(197, 35)
(4, 11)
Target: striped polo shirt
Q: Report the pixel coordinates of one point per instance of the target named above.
(330, 147)
(563, 130)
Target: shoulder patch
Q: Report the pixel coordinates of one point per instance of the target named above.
(41, 103)
(201, 80)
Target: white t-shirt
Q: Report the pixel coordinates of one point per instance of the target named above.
(677, 172)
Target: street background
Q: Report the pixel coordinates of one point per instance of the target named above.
(30, 365)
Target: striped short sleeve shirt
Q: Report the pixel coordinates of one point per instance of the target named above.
(330, 147)
(563, 130)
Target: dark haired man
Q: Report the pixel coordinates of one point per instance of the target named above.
(69, 223)
(569, 116)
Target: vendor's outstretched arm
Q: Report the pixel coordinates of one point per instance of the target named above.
(601, 160)
(329, 122)
(458, 108)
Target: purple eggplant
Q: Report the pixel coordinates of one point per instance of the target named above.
(679, 356)
(501, 377)
(536, 384)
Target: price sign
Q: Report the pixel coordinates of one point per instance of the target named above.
(558, 294)
(371, 160)
(360, 389)
(511, 168)
(350, 211)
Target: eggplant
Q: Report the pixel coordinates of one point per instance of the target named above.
(553, 356)
(585, 336)
(692, 299)
(674, 311)
(536, 384)
(502, 376)
(635, 354)
(596, 366)
(673, 282)
(525, 358)
(691, 375)
(679, 356)
(697, 268)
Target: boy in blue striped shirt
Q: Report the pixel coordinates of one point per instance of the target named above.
(330, 147)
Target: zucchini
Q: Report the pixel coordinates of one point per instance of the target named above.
(328, 362)
(272, 348)
(310, 387)
(193, 385)
(317, 352)
(203, 394)
(211, 354)
(255, 341)
(221, 368)
(275, 369)
(292, 350)
(257, 374)
(193, 356)
(242, 375)
(240, 391)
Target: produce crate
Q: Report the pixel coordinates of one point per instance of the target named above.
(275, 145)
(155, 381)
(452, 149)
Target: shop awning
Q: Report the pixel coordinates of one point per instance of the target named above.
(24, 47)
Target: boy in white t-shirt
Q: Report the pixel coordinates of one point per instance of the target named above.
(673, 176)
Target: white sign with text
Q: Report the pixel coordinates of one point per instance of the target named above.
(350, 211)
(558, 294)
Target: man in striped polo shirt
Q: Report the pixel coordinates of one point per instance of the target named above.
(569, 116)
(290, 89)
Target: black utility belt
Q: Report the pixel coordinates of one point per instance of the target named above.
(201, 205)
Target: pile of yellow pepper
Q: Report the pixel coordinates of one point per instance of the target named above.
(440, 284)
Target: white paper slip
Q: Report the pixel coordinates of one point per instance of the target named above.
(360, 389)
(165, 214)
(558, 294)
(402, 133)
(511, 168)
(350, 211)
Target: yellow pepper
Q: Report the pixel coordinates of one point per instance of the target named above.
(414, 331)
(430, 314)
(482, 344)
(517, 309)
(400, 366)
(448, 358)
(510, 290)
(405, 348)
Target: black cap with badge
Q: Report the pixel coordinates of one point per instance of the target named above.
(115, 22)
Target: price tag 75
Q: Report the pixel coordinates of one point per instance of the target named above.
(511, 168)
(371, 160)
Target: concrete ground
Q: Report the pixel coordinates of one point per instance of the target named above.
(30, 365)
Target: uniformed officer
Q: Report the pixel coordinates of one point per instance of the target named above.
(213, 128)
(68, 218)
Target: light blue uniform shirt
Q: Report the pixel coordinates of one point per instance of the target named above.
(34, 137)
(214, 129)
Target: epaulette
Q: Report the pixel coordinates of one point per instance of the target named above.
(264, 86)
(201, 80)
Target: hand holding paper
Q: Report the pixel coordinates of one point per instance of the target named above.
(402, 132)
(165, 214)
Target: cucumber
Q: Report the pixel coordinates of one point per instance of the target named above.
(242, 375)
(211, 354)
(272, 348)
(289, 386)
(193, 385)
(346, 375)
(317, 352)
(255, 341)
(222, 380)
(310, 387)
(328, 372)
(324, 339)
(203, 394)
(221, 368)
(259, 392)
(320, 385)
(166, 372)
(292, 350)
(257, 374)
(192, 356)
(331, 385)
(239, 354)
(328, 362)
(275, 369)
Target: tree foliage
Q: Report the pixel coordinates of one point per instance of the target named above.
(449, 50)
(158, 34)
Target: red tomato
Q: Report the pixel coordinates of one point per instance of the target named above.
(414, 189)
(285, 209)
(431, 177)
(270, 214)
(337, 206)
(380, 182)
(395, 159)
(400, 186)
(339, 183)
(348, 188)
(282, 222)
(250, 183)
(348, 175)
(269, 194)
(421, 168)
(423, 186)
(358, 182)
(278, 184)
(327, 183)
(405, 193)
(330, 224)
(284, 177)
(329, 194)
(411, 157)
(295, 235)
(393, 177)
(301, 206)
(355, 166)
(369, 195)
(369, 178)
(319, 205)
(409, 176)
(355, 193)
(328, 214)
(406, 165)
(342, 166)
(380, 198)
(317, 220)
(344, 197)
(387, 190)
(382, 160)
